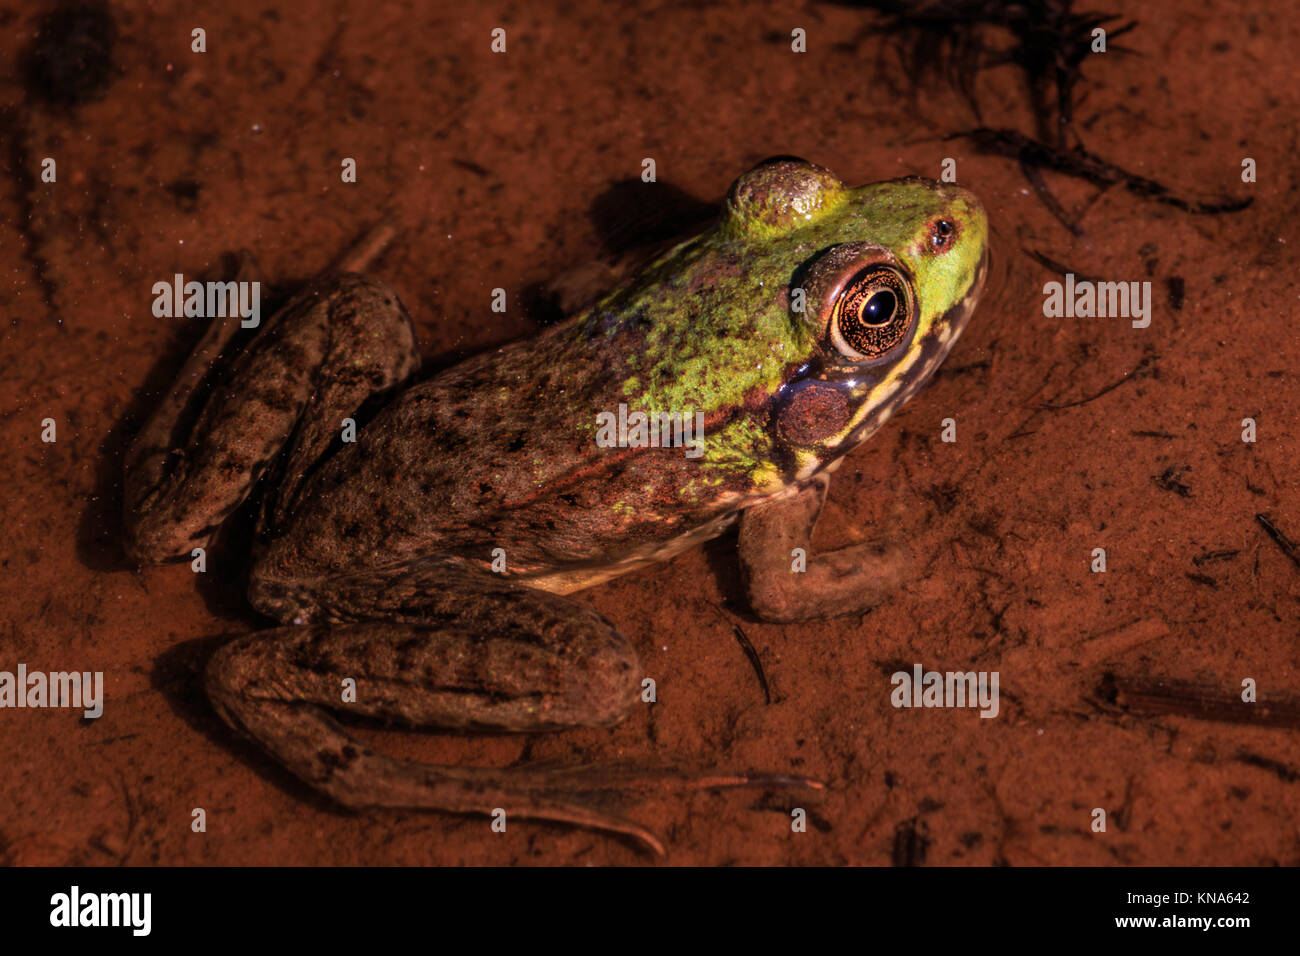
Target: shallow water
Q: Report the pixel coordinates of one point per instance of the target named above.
(508, 170)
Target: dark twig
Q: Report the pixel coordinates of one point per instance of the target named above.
(1284, 773)
(1168, 481)
(1078, 162)
(1209, 557)
(1035, 179)
(757, 664)
(1205, 702)
(747, 646)
(911, 841)
(1286, 544)
(1058, 267)
(1140, 371)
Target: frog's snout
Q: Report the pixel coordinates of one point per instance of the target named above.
(955, 319)
(970, 211)
(961, 235)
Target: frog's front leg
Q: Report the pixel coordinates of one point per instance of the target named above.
(847, 581)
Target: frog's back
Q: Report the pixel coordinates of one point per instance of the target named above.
(500, 451)
(794, 328)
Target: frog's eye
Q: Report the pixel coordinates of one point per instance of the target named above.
(872, 315)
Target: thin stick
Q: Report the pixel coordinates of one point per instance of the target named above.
(1286, 544)
(369, 248)
(743, 640)
(1186, 699)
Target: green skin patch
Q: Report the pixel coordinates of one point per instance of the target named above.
(708, 325)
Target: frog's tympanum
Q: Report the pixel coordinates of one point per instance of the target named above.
(791, 330)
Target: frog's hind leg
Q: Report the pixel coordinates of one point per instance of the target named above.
(443, 646)
(317, 361)
(532, 662)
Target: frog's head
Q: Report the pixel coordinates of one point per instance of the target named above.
(884, 279)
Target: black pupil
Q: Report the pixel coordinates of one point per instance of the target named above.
(943, 227)
(879, 308)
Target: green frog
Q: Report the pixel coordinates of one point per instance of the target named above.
(426, 563)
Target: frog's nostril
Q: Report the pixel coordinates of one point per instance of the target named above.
(943, 233)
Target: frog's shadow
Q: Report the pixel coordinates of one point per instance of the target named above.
(722, 555)
(177, 675)
(631, 214)
(100, 528)
(628, 217)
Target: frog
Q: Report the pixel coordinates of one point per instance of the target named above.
(430, 562)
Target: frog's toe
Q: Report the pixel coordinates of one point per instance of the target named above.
(849, 581)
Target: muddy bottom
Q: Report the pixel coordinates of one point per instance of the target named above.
(506, 170)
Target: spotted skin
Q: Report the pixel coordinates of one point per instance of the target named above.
(375, 556)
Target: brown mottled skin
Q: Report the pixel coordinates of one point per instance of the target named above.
(376, 554)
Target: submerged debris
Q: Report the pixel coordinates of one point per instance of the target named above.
(1049, 41)
(71, 60)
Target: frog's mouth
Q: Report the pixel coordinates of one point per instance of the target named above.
(955, 318)
(939, 340)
